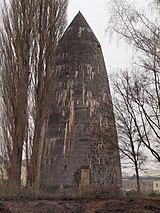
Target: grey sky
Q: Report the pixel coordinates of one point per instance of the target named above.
(97, 15)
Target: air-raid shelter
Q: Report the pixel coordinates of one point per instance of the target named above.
(81, 144)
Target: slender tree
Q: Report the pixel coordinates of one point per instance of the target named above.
(29, 35)
(51, 20)
(143, 34)
(14, 41)
(127, 118)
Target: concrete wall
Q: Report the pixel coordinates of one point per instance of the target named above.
(156, 186)
(82, 113)
(147, 186)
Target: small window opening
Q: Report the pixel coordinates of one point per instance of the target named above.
(65, 168)
(66, 72)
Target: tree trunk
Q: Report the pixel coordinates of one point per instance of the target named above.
(137, 179)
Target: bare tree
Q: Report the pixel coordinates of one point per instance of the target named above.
(51, 20)
(14, 41)
(143, 33)
(127, 116)
(29, 35)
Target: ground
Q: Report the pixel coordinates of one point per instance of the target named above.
(81, 206)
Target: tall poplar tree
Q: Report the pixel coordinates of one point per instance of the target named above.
(29, 35)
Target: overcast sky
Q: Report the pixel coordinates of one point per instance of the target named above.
(96, 14)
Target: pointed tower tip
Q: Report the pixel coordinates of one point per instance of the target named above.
(79, 13)
(79, 21)
(79, 29)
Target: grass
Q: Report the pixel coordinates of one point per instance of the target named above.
(7, 193)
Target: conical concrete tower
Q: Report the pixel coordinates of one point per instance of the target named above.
(77, 152)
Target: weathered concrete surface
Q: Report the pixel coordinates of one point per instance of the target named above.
(82, 112)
